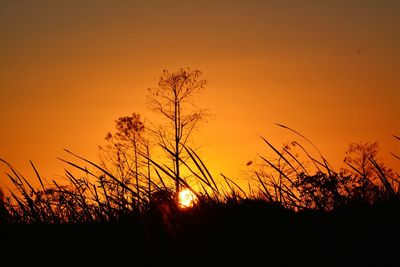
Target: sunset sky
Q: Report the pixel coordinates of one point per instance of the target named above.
(328, 69)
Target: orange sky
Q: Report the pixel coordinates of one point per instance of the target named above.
(68, 69)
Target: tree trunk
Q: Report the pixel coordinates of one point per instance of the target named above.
(176, 124)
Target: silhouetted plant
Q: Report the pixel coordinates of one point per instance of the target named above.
(3, 209)
(173, 99)
(370, 178)
(293, 185)
(123, 157)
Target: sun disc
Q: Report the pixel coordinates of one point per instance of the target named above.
(186, 198)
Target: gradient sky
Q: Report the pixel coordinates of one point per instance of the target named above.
(329, 69)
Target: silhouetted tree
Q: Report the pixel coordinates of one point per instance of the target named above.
(173, 99)
(125, 147)
(370, 177)
(358, 157)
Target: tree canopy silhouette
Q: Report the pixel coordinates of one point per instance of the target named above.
(173, 98)
(123, 153)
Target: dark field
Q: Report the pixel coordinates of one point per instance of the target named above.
(244, 233)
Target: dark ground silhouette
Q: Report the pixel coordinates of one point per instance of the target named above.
(245, 233)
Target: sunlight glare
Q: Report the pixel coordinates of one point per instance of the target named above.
(186, 198)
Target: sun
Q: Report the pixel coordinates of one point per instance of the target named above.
(186, 198)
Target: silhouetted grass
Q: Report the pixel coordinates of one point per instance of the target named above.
(301, 215)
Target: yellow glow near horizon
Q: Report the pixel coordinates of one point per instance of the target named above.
(186, 198)
(329, 70)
